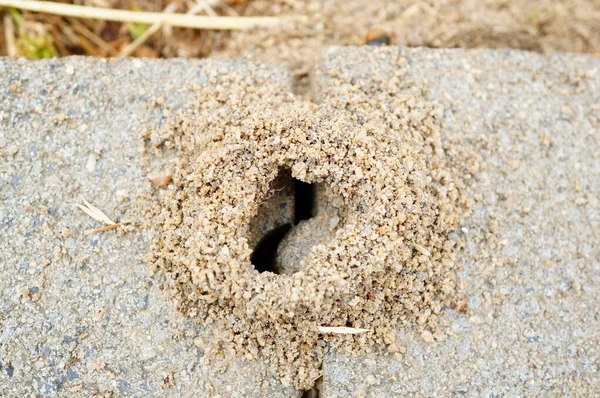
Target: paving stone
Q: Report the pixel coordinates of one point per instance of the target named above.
(532, 317)
(81, 314)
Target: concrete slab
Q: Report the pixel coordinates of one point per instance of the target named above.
(82, 315)
(531, 271)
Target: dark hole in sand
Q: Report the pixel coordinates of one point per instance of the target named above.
(292, 201)
(264, 254)
(314, 391)
(304, 201)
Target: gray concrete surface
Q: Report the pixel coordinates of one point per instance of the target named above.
(82, 315)
(532, 322)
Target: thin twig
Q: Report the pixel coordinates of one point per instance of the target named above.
(179, 20)
(227, 8)
(106, 228)
(84, 31)
(201, 5)
(62, 50)
(9, 34)
(131, 47)
(87, 46)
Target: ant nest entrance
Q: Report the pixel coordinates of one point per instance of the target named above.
(295, 217)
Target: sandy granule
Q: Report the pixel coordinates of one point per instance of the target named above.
(379, 257)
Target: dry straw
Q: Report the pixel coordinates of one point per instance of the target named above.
(179, 20)
(99, 215)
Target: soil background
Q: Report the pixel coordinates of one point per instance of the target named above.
(543, 26)
(539, 25)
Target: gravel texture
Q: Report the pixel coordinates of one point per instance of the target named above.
(83, 315)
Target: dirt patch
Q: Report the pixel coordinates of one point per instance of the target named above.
(379, 255)
(539, 25)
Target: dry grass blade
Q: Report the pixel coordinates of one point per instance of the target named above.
(95, 213)
(201, 5)
(9, 34)
(104, 229)
(342, 330)
(128, 49)
(84, 31)
(179, 20)
(62, 50)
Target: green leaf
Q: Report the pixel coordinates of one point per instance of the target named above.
(36, 47)
(136, 29)
(16, 17)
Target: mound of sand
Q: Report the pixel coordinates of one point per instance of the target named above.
(376, 252)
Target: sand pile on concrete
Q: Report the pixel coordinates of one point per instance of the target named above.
(392, 199)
